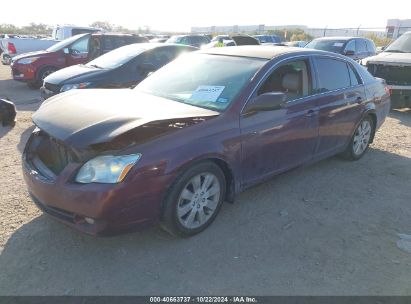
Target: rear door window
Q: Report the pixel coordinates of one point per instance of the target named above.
(332, 75)
(108, 44)
(119, 41)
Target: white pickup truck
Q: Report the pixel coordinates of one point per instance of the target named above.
(394, 65)
(16, 45)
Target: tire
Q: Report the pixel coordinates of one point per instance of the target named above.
(194, 200)
(6, 60)
(43, 73)
(360, 140)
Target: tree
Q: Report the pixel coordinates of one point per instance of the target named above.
(301, 37)
(379, 41)
(105, 25)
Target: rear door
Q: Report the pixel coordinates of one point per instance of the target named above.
(340, 96)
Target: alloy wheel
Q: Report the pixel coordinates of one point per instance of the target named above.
(362, 137)
(198, 200)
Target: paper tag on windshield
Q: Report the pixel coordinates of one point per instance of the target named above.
(338, 44)
(207, 93)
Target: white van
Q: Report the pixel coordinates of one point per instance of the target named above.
(61, 32)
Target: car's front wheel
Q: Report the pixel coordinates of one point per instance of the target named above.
(360, 140)
(194, 200)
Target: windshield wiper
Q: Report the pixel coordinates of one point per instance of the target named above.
(95, 66)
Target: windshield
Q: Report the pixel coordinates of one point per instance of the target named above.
(207, 81)
(65, 43)
(335, 46)
(117, 57)
(401, 45)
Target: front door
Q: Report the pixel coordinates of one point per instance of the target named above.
(274, 141)
(78, 51)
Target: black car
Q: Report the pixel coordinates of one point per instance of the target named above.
(193, 40)
(121, 68)
(356, 48)
(268, 38)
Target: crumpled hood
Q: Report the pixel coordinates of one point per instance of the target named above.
(81, 118)
(399, 59)
(73, 72)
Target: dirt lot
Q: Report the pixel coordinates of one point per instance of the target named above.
(326, 229)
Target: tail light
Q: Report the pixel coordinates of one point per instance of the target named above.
(11, 48)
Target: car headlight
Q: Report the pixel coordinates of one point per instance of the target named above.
(107, 169)
(27, 60)
(68, 87)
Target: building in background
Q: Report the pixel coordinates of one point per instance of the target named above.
(229, 29)
(397, 27)
(315, 32)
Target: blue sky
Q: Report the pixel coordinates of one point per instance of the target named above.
(180, 15)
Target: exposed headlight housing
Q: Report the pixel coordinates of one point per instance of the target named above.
(27, 60)
(68, 87)
(107, 169)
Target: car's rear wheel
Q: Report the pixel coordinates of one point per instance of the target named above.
(194, 200)
(360, 140)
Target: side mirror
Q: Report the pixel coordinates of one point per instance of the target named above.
(383, 48)
(66, 51)
(349, 53)
(146, 67)
(267, 102)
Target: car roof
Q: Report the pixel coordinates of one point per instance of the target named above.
(259, 51)
(155, 45)
(339, 38)
(113, 34)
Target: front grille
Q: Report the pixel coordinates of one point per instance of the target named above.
(52, 87)
(53, 154)
(393, 75)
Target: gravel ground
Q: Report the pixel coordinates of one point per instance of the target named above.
(331, 228)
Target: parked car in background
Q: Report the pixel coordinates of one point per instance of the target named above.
(394, 65)
(297, 43)
(62, 32)
(158, 40)
(32, 68)
(218, 37)
(193, 40)
(16, 45)
(194, 134)
(356, 48)
(234, 40)
(121, 68)
(263, 39)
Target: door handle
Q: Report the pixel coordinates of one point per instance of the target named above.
(310, 113)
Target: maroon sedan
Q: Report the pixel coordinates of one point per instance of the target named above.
(196, 133)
